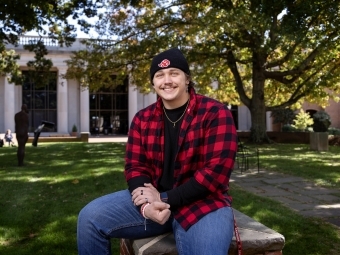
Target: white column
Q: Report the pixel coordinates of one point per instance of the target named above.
(62, 102)
(244, 118)
(84, 110)
(150, 98)
(18, 97)
(269, 122)
(9, 105)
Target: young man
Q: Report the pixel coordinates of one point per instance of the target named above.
(179, 158)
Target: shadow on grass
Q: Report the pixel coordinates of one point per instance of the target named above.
(298, 160)
(40, 202)
(303, 236)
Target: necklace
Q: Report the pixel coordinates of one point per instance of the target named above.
(174, 122)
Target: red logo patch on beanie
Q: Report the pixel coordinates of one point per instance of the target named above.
(164, 63)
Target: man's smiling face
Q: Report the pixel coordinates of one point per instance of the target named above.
(170, 84)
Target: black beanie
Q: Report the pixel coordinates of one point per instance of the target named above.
(169, 58)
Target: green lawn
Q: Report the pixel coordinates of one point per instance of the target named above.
(321, 167)
(40, 202)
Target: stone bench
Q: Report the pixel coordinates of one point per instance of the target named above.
(257, 239)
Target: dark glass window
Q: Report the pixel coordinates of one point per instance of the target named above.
(109, 109)
(234, 112)
(41, 101)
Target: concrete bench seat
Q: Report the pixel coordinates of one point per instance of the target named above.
(257, 239)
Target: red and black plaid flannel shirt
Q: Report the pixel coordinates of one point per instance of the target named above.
(207, 146)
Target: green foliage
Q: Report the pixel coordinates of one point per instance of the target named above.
(321, 116)
(334, 131)
(47, 18)
(18, 17)
(302, 121)
(289, 128)
(74, 128)
(283, 116)
(8, 64)
(322, 121)
(263, 54)
(38, 69)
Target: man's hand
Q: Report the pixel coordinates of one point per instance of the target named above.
(146, 194)
(158, 212)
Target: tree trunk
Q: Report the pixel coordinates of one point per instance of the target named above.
(257, 106)
(258, 132)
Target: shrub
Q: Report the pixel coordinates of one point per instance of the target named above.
(74, 128)
(289, 128)
(322, 121)
(302, 121)
(283, 116)
(334, 131)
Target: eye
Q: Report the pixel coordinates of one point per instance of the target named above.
(174, 73)
(158, 75)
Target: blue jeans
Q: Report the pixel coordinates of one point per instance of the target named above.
(115, 216)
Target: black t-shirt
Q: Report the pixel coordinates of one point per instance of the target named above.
(170, 146)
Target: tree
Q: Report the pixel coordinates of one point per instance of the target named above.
(264, 54)
(47, 18)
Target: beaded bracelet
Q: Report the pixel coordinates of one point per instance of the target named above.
(143, 210)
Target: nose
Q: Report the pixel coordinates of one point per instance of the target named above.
(167, 79)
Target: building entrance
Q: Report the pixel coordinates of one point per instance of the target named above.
(109, 110)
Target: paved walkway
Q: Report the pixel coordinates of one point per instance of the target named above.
(107, 139)
(302, 196)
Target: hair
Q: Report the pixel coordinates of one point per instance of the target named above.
(191, 83)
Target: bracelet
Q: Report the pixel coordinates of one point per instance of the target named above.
(142, 207)
(143, 210)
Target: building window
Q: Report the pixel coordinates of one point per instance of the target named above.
(234, 112)
(109, 110)
(41, 101)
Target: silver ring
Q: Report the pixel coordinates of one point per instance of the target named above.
(141, 192)
(146, 199)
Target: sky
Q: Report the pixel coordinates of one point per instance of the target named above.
(80, 34)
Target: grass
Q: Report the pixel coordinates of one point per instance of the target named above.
(319, 167)
(40, 202)
(303, 236)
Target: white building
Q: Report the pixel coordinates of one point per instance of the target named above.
(65, 103)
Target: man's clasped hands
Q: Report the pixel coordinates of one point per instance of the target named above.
(151, 204)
